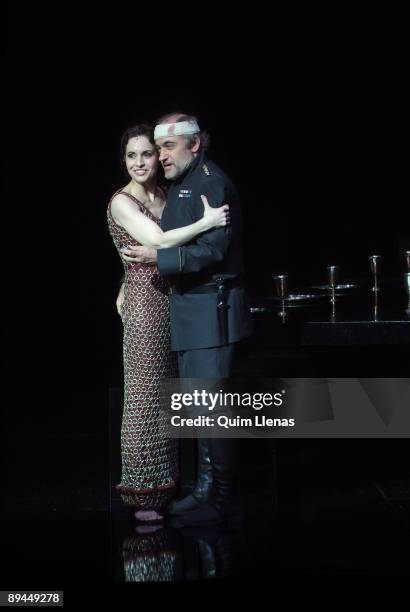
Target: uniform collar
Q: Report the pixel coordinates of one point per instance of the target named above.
(196, 163)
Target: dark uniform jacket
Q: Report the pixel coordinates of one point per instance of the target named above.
(196, 321)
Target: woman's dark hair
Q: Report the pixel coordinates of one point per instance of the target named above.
(133, 132)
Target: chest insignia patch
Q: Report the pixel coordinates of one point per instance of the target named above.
(185, 193)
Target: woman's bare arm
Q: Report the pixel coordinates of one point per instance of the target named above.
(148, 233)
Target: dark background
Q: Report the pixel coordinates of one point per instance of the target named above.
(312, 125)
(310, 121)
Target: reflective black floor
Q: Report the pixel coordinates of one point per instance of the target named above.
(313, 516)
(312, 508)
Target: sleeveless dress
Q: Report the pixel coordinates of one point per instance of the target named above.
(149, 461)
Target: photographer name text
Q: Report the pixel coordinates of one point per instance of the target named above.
(228, 422)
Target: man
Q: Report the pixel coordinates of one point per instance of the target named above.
(208, 304)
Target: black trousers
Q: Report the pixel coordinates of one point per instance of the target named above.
(214, 362)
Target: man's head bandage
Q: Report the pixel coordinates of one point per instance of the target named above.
(182, 128)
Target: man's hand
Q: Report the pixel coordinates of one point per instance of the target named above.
(140, 254)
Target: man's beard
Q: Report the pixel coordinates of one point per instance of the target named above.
(183, 170)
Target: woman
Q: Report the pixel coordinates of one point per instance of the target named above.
(149, 462)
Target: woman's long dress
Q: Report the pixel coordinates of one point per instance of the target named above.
(149, 461)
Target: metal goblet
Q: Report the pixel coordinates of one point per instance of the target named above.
(407, 285)
(333, 274)
(407, 282)
(376, 307)
(281, 283)
(407, 256)
(375, 261)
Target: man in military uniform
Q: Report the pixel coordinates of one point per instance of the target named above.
(208, 303)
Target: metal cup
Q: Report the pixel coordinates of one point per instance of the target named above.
(375, 261)
(333, 314)
(407, 285)
(407, 282)
(281, 283)
(333, 274)
(376, 307)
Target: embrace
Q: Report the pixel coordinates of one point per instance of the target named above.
(183, 307)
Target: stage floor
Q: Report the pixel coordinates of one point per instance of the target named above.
(309, 507)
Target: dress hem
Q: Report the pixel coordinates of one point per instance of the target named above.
(127, 489)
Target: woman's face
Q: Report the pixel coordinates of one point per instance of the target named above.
(141, 159)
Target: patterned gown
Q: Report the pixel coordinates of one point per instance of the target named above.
(149, 461)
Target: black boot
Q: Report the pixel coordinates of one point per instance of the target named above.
(221, 503)
(203, 486)
(215, 548)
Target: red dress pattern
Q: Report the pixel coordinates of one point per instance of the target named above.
(149, 461)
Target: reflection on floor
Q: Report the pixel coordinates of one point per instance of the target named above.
(319, 507)
(309, 511)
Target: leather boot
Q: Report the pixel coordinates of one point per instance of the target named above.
(215, 546)
(221, 503)
(203, 485)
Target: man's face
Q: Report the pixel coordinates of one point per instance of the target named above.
(175, 155)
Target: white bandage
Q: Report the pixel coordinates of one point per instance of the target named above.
(182, 128)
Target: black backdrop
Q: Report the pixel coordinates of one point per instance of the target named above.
(310, 122)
